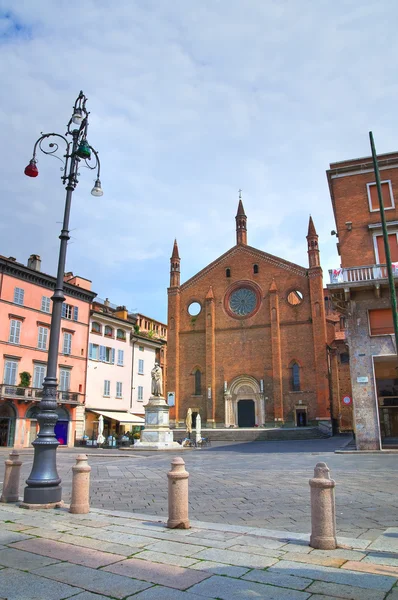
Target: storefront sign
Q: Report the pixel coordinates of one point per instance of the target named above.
(362, 379)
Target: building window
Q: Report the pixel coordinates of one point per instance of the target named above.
(107, 387)
(198, 382)
(19, 295)
(93, 351)
(255, 269)
(295, 377)
(64, 380)
(386, 190)
(119, 386)
(140, 392)
(380, 321)
(10, 372)
(227, 272)
(108, 331)
(141, 348)
(107, 355)
(70, 312)
(39, 373)
(141, 366)
(15, 331)
(67, 347)
(120, 358)
(121, 335)
(344, 358)
(45, 304)
(42, 338)
(96, 327)
(380, 254)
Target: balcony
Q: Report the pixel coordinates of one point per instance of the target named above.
(371, 273)
(28, 394)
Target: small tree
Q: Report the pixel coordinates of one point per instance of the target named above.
(25, 379)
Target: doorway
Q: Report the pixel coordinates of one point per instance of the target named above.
(7, 425)
(246, 413)
(301, 417)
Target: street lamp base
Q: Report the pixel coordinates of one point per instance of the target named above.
(43, 496)
(40, 506)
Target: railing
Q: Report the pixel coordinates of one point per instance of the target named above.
(358, 274)
(32, 394)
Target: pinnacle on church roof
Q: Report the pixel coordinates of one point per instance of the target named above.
(241, 210)
(210, 295)
(273, 287)
(175, 250)
(311, 228)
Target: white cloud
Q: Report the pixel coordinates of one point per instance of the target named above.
(189, 102)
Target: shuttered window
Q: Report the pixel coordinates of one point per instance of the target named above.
(64, 380)
(10, 372)
(67, 346)
(392, 242)
(42, 338)
(374, 198)
(39, 372)
(380, 321)
(15, 331)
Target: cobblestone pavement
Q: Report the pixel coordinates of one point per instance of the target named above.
(262, 484)
(108, 555)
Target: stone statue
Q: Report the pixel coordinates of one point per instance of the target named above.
(157, 380)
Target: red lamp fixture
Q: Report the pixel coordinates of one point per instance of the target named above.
(31, 170)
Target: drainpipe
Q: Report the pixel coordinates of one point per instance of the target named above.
(132, 375)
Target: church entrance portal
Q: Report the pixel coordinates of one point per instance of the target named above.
(246, 415)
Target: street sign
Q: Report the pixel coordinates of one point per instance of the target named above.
(347, 400)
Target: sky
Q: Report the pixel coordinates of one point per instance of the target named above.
(189, 101)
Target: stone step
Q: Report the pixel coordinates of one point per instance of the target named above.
(256, 434)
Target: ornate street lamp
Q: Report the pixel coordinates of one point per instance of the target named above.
(43, 484)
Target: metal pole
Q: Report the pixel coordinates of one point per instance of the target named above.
(391, 281)
(43, 484)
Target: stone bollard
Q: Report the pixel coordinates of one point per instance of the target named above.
(11, 478)
(178, 495)
(323, 510)
(80, 503)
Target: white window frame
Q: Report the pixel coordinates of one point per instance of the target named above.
(42, 338)
(376, 249)
(15, 336)
(107, 388)
(119, 389)
(140, 393)
(45, 304)
(369, 185)
(19, 295)
(140, 366)
(67, 343)
(39, 373)
(13, 370)
(68, 311)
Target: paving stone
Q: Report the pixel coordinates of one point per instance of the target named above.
(219, 568)
(382, 558)
(226, 588)
(17, 585)
(181, 549)
(230, 557)
(93, 580)
(258, 550)
(85, 542)
(344, 591)
(297, 548)
(7, 537)
(388, 542)
(164, 593)
(75, 554)
(289, 581)
(49, 534)
(368, 567)
(310, 559)
(13, 527)
(340, 553)
(90, 596)
(167, 559)
(393, 595)
(253, 540)
(26, 561)
(332, 575)
(175, 577)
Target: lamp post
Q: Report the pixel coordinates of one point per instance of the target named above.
(391, 283)
(43, 484)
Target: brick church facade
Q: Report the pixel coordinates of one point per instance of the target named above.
(247, 339)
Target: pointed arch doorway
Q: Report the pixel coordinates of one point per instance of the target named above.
(244, 403)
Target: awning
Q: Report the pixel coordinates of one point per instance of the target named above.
(122, 417)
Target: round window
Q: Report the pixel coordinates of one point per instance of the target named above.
(295, 297)
(242, 302)
(194, 309)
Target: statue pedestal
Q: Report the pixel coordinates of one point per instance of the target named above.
(157, 434)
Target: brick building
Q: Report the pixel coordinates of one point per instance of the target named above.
(359, 288)
(247, 339)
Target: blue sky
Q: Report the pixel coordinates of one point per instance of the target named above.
(189, 102)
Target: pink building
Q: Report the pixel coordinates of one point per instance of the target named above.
(25, 314)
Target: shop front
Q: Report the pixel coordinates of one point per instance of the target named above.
(116, 426)
(386, 375)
